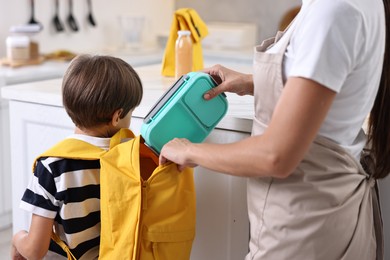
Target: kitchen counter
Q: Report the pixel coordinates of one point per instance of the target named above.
(56, 69)
(48, 92)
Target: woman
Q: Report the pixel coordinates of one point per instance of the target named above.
(314, 85)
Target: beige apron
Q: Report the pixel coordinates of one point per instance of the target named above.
(327, 209)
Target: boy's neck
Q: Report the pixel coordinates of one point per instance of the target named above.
(101, 131)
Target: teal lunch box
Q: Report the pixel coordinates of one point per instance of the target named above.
(182, 112)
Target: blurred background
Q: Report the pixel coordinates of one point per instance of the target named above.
(108, 33)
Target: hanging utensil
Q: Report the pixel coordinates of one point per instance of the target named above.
(32, 18)
(90, 16)
(71, 20)
(56, 20)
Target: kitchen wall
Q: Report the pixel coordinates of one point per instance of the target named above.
(266, 14)
(106, 34)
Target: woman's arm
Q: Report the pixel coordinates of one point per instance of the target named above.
(296, 120)
(35, 243)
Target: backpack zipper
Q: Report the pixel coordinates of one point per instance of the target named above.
(144, 206)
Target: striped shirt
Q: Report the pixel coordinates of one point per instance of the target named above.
(68, 191)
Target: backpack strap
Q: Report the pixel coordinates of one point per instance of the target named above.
(73, 149)
(123, 133)
(77, 149)
(62, 244)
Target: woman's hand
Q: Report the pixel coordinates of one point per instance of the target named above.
(177, 151)
(229, 81)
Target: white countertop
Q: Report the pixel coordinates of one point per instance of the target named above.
(48, 92)
(56, 69)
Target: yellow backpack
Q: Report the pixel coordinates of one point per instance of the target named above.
(147, 211)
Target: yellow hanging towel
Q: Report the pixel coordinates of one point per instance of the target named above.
(185, 19)
(147, 210)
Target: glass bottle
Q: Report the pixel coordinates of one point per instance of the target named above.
(183, 53)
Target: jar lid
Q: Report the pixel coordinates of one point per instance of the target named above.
(18, 41)
(183, 32)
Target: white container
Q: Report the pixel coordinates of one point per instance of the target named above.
(18, 48)
(233, 36)
(25, 28)
(132, 30)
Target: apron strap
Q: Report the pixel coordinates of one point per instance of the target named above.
(367, 163)
(378, 222)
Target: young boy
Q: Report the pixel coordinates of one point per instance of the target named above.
(99, 94)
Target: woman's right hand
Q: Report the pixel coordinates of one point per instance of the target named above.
(229, 81)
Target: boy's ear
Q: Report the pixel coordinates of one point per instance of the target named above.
(116, 117)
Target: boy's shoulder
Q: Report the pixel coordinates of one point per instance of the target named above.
(72, 149)
(57, 166)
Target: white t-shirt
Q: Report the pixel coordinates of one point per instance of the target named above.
(340, 44)
(103, 143)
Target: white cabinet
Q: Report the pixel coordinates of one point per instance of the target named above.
(5, 167)
(34, 128)
(222, 224)
(222, 220)
(9, 76)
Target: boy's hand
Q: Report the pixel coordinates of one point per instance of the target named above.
(15, 255)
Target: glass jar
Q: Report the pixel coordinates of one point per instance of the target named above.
(183, 53)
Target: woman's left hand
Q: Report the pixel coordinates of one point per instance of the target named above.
(177, 151)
